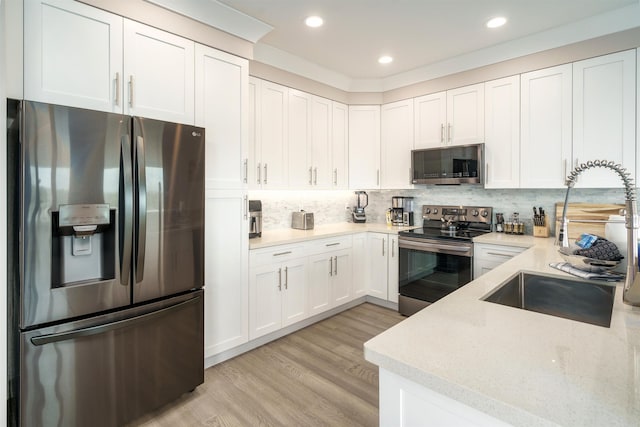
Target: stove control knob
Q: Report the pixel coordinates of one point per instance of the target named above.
(427, 211)
(474, 212)
(435, 211)
(484, 213)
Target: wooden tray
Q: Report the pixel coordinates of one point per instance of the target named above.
(586, 211)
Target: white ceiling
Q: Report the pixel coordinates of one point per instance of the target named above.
(416, 33)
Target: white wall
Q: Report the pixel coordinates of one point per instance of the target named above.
(3, 221)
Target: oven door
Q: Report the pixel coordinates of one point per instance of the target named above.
(431, 269)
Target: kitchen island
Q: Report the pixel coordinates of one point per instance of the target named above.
(465, 361)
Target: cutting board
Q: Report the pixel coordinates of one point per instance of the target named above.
(586, 211)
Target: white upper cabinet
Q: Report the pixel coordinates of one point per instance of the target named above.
(72, 55)
(268, 135)
(465, 115)
(545, 127)
(339, 146)
(396, 144)
(299, 136)
(604, 98)
(430, 120)
(83, 57)
(364, 146)
(321, 127)
(159, 74)
(454, 117)
(502, 132)
(222, 101)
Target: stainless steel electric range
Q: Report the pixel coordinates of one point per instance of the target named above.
(437, 259)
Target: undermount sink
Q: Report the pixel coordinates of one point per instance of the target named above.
(556, 296)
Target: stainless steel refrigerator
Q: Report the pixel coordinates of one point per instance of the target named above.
(106, 274)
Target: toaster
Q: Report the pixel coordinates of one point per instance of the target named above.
(302, 220)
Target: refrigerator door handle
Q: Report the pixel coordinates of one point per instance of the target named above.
(126, 218)
(141, 214)
(100, 329)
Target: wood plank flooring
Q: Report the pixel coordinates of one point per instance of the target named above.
(314, 377)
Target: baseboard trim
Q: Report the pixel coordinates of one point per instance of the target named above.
(253, 344)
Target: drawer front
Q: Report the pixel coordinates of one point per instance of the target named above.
(495, 252)
(329, 245)
(259, 257)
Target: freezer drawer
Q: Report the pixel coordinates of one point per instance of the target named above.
(109, 370)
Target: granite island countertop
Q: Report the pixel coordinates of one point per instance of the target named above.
(525, 368)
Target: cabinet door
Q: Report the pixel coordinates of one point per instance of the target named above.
(226, 252)
(545, 127)
(465, 115)
(159, 73)
(342, 278)
(273, 130)
(397, 143)
(340, 146)
(253, 130)
(393, 275)
(319, 282)
(604, 110)
(265, 300)
(502, 133)
(72, 55)
(321, 109)
(221, 108)
(378, 265)
(360, 272)
(430, 119)
(294, 292)
(299, 136)
(364, 146)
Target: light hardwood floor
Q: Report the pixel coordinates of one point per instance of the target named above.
(313, 377)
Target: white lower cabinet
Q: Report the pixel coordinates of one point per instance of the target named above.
(226, 271)
(404, 403)
(382, 266)
(359, 264)
(277, 289)
(486, 256)
(329, 283)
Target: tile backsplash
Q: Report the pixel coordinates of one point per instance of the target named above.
(330, 206)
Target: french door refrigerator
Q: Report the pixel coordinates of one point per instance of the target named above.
(106, 228)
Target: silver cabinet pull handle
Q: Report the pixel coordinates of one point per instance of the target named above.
(315, 176)
(499, 254)
(246, 207)
(246, 171)
(442, 133)
(265, 173)
(330, 266)
(393, 251)
(259, 173)
(310, 175)
(280, 279)
(449, 132)
(282, 253)
(333, 244)
(486, 173)
(335, 176)
(117, 89)
(335, 270)
(286, 277)
(131, 91)
(383, 245)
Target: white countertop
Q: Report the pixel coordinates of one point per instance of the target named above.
(290, 235)
(522, 367)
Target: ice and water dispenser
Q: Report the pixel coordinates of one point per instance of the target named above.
(83, 244)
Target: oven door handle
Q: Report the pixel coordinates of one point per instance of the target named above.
(423, 246)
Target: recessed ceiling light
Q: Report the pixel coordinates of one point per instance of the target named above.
(385, 59)
(496, 22)
(314, 21)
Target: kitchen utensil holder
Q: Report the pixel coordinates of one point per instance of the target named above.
(541, 230)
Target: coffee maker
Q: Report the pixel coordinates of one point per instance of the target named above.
(397, 209)
(255, 218)
(362, 202)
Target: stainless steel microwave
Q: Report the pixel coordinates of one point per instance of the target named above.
(458, 164)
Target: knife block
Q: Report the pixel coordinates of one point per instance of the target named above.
(541, 230)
